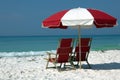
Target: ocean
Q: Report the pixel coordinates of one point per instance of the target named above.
(34, 45)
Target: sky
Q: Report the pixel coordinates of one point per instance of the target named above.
(24, 17)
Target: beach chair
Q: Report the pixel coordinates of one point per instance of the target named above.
(62, 56)
(63, 52)
(85, 49)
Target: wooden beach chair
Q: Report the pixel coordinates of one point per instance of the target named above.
(62, 56)
(85, 49)
(63, 52)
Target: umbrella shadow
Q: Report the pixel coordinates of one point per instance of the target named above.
(106, 66)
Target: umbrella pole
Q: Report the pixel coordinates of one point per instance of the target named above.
(79, 39)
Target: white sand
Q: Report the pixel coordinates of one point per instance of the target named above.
(105, 66)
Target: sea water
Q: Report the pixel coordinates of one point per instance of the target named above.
(34, 45)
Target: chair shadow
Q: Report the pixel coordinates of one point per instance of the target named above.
(106, 66)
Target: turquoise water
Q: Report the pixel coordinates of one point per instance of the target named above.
(106, 42)
(46, 43)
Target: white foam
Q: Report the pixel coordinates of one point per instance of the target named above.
(23, 54)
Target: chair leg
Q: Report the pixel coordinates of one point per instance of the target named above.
(55, 65)
(64, 65)
(47, 64)
(78, 63)
(72, 64)
(88, 63)
(60, 65)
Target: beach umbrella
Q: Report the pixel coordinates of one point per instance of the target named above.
(79, 18)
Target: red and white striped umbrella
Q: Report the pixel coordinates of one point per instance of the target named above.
(79, 17)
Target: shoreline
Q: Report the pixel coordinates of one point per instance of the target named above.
(103, 64)
(38, 53)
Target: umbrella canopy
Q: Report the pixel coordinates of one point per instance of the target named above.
(79, 17)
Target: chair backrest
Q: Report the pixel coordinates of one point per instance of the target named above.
(84, 53)
(63, 54)
(66, 42)
(84, 42)
(85, 48)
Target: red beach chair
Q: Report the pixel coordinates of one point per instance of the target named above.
(85, 49)
(63, 52)
(62, 56)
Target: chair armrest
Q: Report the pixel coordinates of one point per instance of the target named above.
(49, 55)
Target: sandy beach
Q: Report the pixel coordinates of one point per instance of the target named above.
(105, 66)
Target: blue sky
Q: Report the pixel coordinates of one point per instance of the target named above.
(24, 17)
